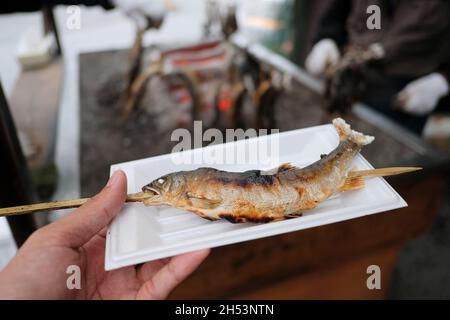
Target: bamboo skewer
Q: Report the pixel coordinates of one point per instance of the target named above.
(142, 196)
(382, 172)
(64, 204)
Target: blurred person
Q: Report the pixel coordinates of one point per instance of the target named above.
(39, 269)
(411, 80)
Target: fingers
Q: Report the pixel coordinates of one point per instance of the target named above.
(80, 226)
(421, 96)
(407, 102)
(401, 101)
(175, 271)
(323, 55)
(149, 269)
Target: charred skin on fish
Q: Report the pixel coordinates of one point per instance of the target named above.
(254, 196)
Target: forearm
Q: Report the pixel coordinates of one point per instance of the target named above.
(332, 25)
(418, 32)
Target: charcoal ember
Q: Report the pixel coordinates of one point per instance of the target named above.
(161, 104)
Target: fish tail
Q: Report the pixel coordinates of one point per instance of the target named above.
(352, 184)
(346, 133)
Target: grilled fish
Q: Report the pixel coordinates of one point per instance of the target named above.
(257, 196)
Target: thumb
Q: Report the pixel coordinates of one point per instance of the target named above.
(400, 101)
(80, 226)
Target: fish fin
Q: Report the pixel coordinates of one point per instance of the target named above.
(203, 215)
(382, 172)
(293, 215)
(204, 203)
(283, 167)
(286, 167)
(345, 132)
(352, 184)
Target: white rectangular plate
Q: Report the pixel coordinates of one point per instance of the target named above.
(140, 233)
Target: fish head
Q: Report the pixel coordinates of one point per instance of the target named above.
(165, 188)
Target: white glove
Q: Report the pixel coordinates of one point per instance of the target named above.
(421, 96)
(324, 54)
(142, 12)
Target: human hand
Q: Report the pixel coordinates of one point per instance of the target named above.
(421, 96)
(323, 55)
(146, 14)
(39, 270)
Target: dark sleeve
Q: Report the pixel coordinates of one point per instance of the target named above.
(444, 102)
(29, 6)
(445, 70)
(333, 23)
(415, 29)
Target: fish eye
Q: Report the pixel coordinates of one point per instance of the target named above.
(161, 180)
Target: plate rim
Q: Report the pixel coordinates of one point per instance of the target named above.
(244, 234)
